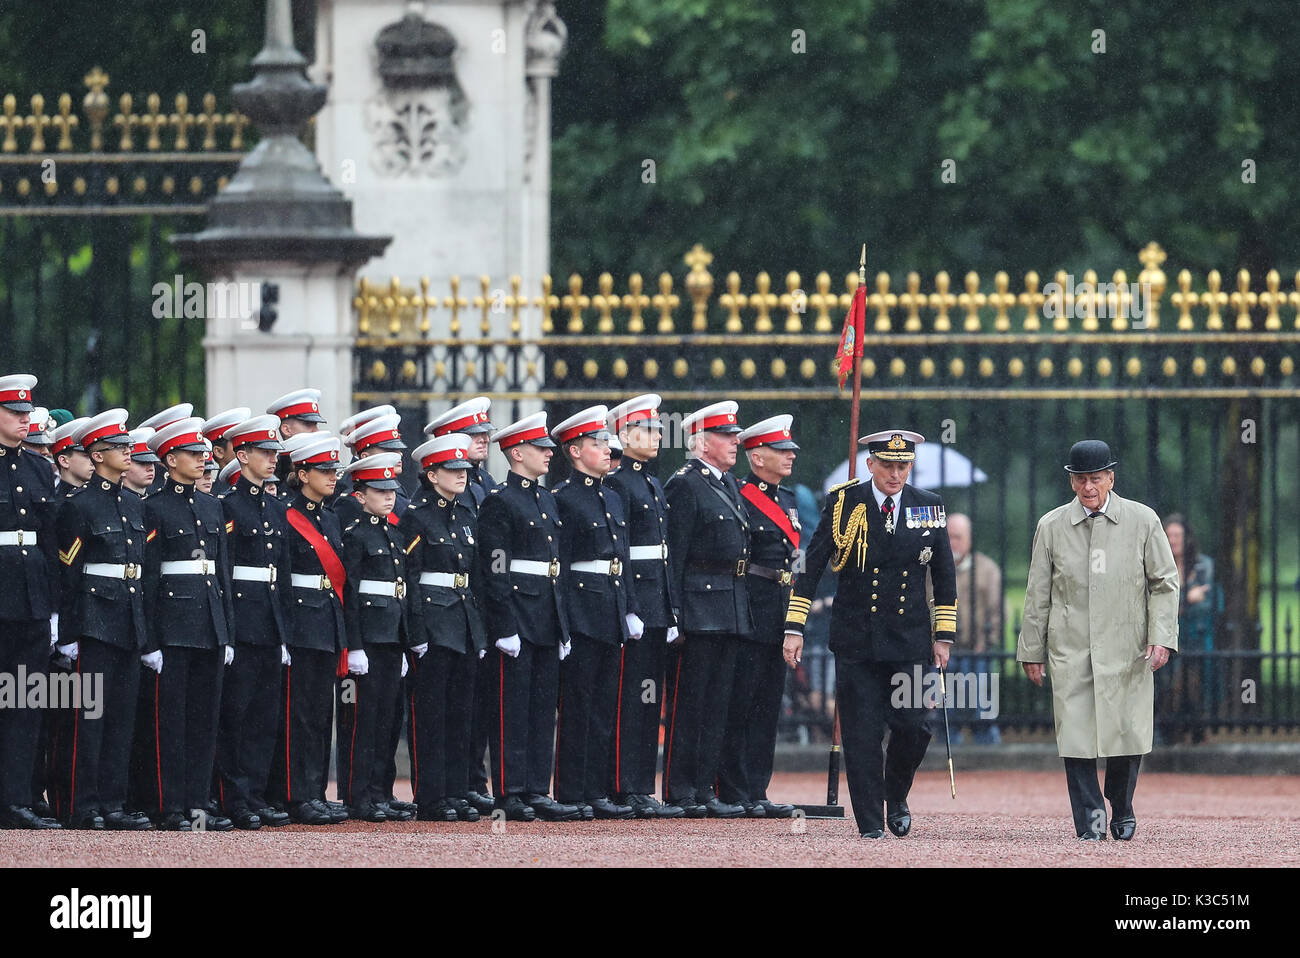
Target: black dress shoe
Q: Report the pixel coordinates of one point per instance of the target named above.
(776, 809)
(1122, 829)
(245, 820)
(396, 814)
(272, 817)
(42, 808)
(585, 811)
(483, 803)
(754, 810)
(87, 821)
(439, 811)
(692, 809)
(605, 809)
(874, 833)
(717, 808)
(516, 809)
(367, 813)
(120, 821)
(215, 823)
(309, 813)
(335, 810)
(1092, 837)
(549, 810)
(397, 805)
(899, 818)
(175, 822)
(19, 816)
(465, 812)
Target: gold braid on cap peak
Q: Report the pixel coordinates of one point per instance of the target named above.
(855, 531)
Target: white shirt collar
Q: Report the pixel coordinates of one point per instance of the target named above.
(880, 497)
(1102, 510)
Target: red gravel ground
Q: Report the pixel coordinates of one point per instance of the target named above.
(999, 818)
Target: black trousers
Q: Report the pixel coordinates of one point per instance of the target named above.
(180, 731)
(585, 719)
(250, 713)
(750, 746)
(299, 767)
(480, 723)
(442, 692)
(522, 737)
(94, 754)
(863, 692)
(58, 730)
(698, 721)
(640, 702)
(389, 777)
(1086, 797)
(365, 726)
(25, 645)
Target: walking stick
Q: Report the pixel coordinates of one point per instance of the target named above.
(947, 739)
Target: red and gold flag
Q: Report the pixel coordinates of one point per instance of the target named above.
(850, 348)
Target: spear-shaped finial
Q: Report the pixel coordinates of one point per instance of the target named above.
(862, 266)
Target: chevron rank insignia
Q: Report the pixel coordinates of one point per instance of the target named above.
(67, 557)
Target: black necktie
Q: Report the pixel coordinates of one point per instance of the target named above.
(1094, 515)
(888, 510)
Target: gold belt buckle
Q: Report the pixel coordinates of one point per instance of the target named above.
(399, 590)
(740, 567)
(554, 569)
(459, 580)
(132, 571)
(326, 584)
(615, 566)
(787, 577)
(20, 536)
(273, 573)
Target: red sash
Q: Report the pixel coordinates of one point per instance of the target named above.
(330, 562)
(770, 509)
(392, 518)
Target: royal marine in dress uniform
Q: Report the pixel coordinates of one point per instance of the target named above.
(258, 540)
(316, 638)
(447, 637)
(750, 745)
(602, 616)
(472, 419)
(29, 570)
(882, 537)
(636, 735)
(190, 632)
(519, 559)
(299, 414)
(101, 620)
(708, 551)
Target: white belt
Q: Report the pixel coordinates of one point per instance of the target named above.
(394, 590)
(450, 580)
(599, 566)
(301, 581)
(253, 573)
(638, 553)
(189, 567)
(536, 567)
(110, 570)
(18, 537)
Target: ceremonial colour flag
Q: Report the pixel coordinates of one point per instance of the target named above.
(850, 348)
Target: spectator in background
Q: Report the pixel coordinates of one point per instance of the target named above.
(980, 619)
(1191, 687)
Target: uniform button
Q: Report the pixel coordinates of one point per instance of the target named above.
(543, 515)
(904, 573)
(900, 611)
(876, 571)
(873, 608)
(548, 539)
(875, 582)
(904, 585)
(579, 585)
(20, 489)
(615, 536)
(873, 595)
(22, 512)
(239, 595)
(131, 588)
(515, 587)
(707, 586)
(128, 541)
(268, 545)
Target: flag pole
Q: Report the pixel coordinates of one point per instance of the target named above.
(833, 808)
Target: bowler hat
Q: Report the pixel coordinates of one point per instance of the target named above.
(1090, 455)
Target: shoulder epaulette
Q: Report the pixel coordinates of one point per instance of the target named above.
(844, 485)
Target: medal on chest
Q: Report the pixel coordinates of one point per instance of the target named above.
(925, 517)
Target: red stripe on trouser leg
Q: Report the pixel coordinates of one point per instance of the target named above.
(157, 744)
(288, 776)
(501, 720)
(76, 725)
(559, 732)
(618, 723)
(672, 724)
(415, 742)
(352, 746)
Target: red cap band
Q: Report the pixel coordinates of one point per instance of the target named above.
(525, 436)
(443, 455)
(372, 475)
(62, 444)
(753, 441)
(712, 422)
(471, 420)
(330, 455)
(574, 431)
(633, 416)
(184, 439)
(297, 409)
(16, 395)
(256, 435)
(216, 433)
(112, 429)
(386, 435)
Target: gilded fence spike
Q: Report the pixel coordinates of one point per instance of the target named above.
(912, 301)
(363, 303)
(605, 301)
(699, 283)
(483, 303)
(941, 300)
(1185, 299)
(394, 303)
(882, 301)
(763, 300)
(971, 301)
(1152, 277)
(65, 122)
(1119, 301)
(37, 123)
(822, 301)
(456, 302)
(95, 105)
(237, 122)
(181, 121)
(575, 302)
(126, 121)
(1033, 301)
(1272, 299)
(666, 301)
(515, 302)
(1088, 298)
(733, 301)
(1001, 300)
(426, 303)
(1064, 301)
(794, 301)
(1215, 299)
(635, 301)
(153, 121)
(1294, 299)
(209, 120)
(1243, 299)
(548, 302)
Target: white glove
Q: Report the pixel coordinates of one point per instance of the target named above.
(404, 666)
(635, 627)
(153, 660)
(71, 650)
(54, 630)
(565, 649)
(510, 645)
(285, 657)
(230, 654)
(482, 652)
(672, 634)
(357, 661)
(420, 649)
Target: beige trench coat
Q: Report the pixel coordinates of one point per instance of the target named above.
(1100, 591)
